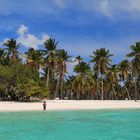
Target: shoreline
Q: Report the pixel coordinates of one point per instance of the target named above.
(54, 105)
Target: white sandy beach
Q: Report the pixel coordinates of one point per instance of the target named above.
(69, 105)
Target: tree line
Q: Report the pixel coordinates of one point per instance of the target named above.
(39, 74)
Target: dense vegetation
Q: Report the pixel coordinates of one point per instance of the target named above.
(39, 74)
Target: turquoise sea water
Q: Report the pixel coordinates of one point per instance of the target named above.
(71, 125)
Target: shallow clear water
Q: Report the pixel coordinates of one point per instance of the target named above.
(71, 125)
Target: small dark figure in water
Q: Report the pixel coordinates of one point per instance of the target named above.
(44, 105)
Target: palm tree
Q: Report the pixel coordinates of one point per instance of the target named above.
(112, 78)
(34, 58)
(79, 84)
(135, 55)
(78, 59)
(81, 68)
(52, 82)
(12, 49)
(2, 55)
(101, 60)
(62, 59)
(50, 46)
(91, 84)
(123, 70)
(68, 86)
(4, 59)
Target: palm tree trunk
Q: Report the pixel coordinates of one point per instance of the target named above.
(13, 57)
(102, 92)
(91, 94)
(57, 87)
(48, 77)
(61, 83)
(114, 92)
(61, 89)
(136, 93)
(78, 94)
(129, 97)
(97, 90)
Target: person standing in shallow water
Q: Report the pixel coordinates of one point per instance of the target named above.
(44, 105)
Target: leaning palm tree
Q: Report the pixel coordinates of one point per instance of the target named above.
(123, 70)
(12, 49)
(101, 60)
(34, 58)
(135, 55)
(50, 46)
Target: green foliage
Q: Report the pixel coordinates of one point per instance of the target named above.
(42, 74)
(82, 67)
(21, 82)
(101, 58)
(34, 58)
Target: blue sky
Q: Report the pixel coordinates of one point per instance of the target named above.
(80, 26)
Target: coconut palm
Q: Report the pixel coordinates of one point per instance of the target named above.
(82, 68)
(34, 58)
(78, 59)
(62, 59)
(91, 84)
(101, 60)
(4, 59)
(50, 46)
(79, 84)
(68, 86)
(12, 49)
(2, 56)
(123, 70)
(135, 55)
(112, 78)
(52, 82)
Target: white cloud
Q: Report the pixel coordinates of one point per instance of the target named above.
(135, 5)
(60, 3)
(104, 6)
(110, 8)
(22, 30)
(30, 40)
(44, 37)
